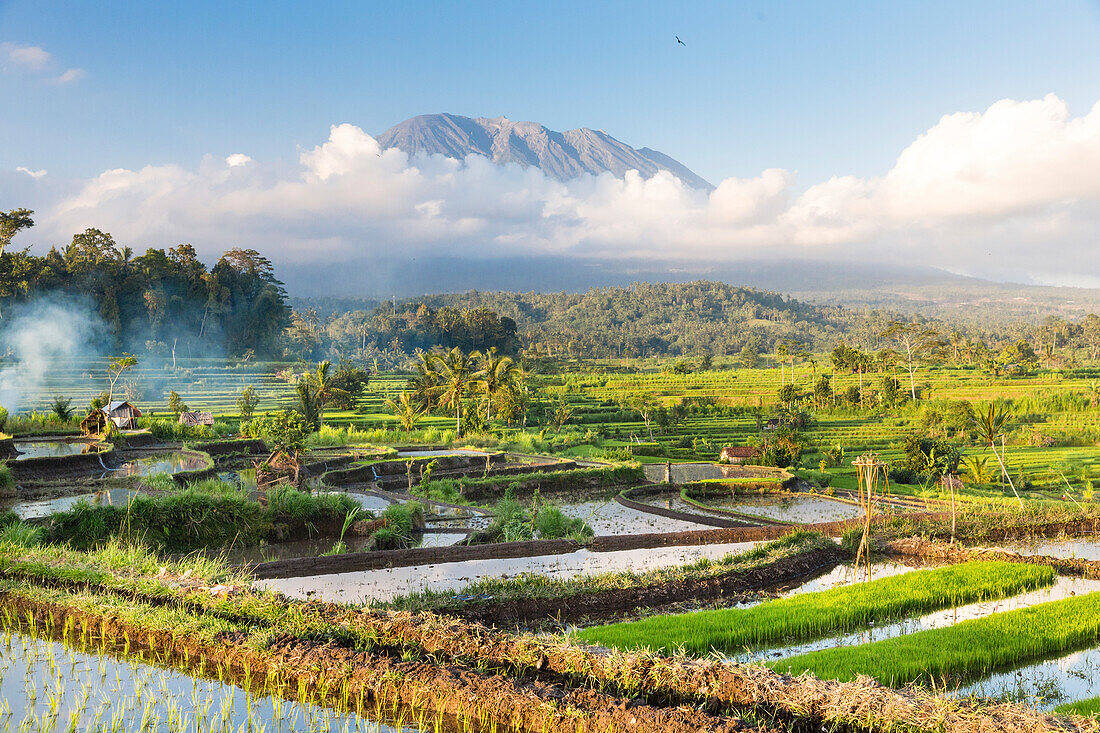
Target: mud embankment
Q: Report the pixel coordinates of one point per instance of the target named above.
(623, 601)
(949, 553)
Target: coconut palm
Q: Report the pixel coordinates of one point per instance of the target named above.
(977, 469)
(990, 424)
(407, 410)
(424, 383)
(322, 389)
(499, 374)
(457, 376)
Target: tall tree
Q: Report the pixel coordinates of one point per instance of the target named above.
(990, 424)
(914, 341)
(457, 377)
(498, 374)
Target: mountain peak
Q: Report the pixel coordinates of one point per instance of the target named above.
(560, 155)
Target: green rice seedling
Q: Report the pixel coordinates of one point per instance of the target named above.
(809, 615)
(1088, 706)
(967, 650)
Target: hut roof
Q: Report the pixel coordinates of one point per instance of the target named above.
(118, 405)
(740, 451)
(193, 418)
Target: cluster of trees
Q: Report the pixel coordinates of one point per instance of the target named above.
(474, 386)
(167, 302)
(390, 335)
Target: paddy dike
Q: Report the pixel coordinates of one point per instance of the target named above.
(624, 601)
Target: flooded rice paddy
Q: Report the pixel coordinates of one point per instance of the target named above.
(440, 452)
(788, 509)
(50, 685)
(384, 585)
(173, 462)
(39, 508)
(1079, 548)
(50, 448)
(608, 517)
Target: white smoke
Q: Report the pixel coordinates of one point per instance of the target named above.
(38, 341)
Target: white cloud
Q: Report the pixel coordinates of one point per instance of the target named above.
(36, 61)
(25, 58)
(70, 76)
(33, 174)
(237, 159)
(1013, 191)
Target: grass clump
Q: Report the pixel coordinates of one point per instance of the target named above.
(808, 615)
(968, 650)
(206, 515)
(1088, 706)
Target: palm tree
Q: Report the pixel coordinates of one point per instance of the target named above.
(323, 390)
(407, 410)
(457, 377)
(990, 424)
(424, 383)
(499, 374)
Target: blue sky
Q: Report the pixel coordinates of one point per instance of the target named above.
(828, 88)
(961, 135)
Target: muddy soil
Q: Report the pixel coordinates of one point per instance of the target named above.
(611, 602)
(946, 552)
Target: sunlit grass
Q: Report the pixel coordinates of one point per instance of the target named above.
(964, 651)
(808, 615)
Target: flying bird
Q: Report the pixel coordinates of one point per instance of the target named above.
(679, 41)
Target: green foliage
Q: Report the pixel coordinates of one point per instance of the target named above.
(809, 615)
(62, 408)
(3, 418)
(348, 383)
(551, 523)
(284, 430)
(7, 481)
(175, 404)
(247, 403)
(929, 457)
(209, 514)
(966, 650)
(171, 430)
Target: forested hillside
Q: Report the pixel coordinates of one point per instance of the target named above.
(641, 320)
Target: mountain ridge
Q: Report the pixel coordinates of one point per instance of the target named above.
(560, 155)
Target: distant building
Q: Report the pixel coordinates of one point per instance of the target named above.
(739, 454)
(194, 419)
(121, 413)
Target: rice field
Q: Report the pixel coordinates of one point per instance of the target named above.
(811, 615)
(965, 651)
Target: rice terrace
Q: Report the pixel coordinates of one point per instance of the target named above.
(314, 419)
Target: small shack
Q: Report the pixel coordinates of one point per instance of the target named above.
(951, 482)
(194, 419)
(121, 413)
(738, 454)
(773, 423)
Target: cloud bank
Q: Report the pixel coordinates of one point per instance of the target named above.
(1012, 192)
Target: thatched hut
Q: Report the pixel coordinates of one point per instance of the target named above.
(194, 419)
(121, 413)
(734, 454)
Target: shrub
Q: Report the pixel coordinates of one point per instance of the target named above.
(552, 524)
